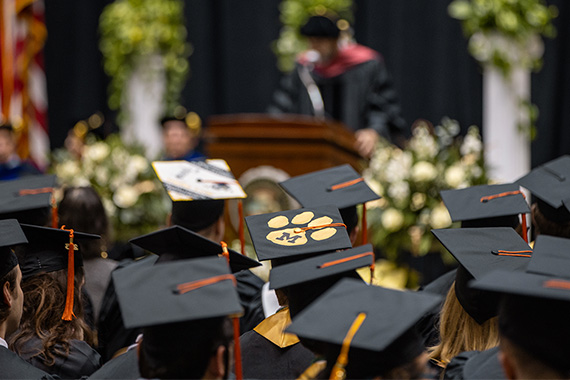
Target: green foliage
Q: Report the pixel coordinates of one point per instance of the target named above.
(294, 14)
(132, 30)
(133, 197)
(409, 181)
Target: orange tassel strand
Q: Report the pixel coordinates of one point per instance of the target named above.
(68, 311)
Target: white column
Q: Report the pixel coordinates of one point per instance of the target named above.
(144, 106)
(507, 149)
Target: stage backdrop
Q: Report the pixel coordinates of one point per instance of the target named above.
(233, 69)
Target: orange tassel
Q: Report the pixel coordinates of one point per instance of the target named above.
(54, 217)
(237, 350)
(68, 311)
(338, 372)
(241, 228)
(225, 252)
(524, 227)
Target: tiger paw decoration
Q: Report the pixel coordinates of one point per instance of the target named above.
(297, 232)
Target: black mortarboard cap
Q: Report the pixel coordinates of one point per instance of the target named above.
(297, 232)
(340, 186)
(484, 202)
(10, 234)
(24, 198)
(389, 314)
(534, 311)
(550, 183)
(47, 249)
(479, 250)
(547, 274)
(320, 26)
(184, 290)
(321, 266)
(178, 243)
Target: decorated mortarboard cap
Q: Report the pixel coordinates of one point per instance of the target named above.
(10, 234)
(20, 198)
(173, 292)
(48, 248)
(321, 266)
(550, 183)
(340, 186)
(371, 318)
(479, 250)
(178, 243)
(320, 26)
(484, 201)
(298, 232)
(198, 180)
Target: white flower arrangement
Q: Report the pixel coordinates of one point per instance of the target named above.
(132, 196)
(410, 179)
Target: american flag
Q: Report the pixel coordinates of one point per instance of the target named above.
(22, 78)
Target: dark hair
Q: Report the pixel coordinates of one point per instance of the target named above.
(320, 26)
(44, 303)
(9, 277)
(546, 226)
(197, 215)
(498, 221)
(81, 209)
(349, 217)
(182, 350)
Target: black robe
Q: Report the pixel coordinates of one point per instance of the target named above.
(475, 365)
(14, 367)
(81, 361)
(363, 96)
(125, 366)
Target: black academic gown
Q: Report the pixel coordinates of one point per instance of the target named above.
(363, 96)
(125, 366)
(273, 356)
(473, 365)
(14, 367)
(81, 361)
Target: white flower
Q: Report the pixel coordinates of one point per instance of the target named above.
(392, 219)
(126, 196)
(471, 145)
(96, 152)
(398, 168)
(101, 175)
(423, 171)
(423, 144)
(439, 217)
(109, 206)
(455, 175)
(138, 163)
(418, 201)
(68, 170)
(399, 191)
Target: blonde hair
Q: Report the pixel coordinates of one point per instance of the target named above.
(459, 332)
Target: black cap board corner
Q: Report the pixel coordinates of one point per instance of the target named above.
(184, 290)
(341, 186)
(177, 243)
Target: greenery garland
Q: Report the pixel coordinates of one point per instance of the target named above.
(133, 30)
(294, 14)
(507, 33)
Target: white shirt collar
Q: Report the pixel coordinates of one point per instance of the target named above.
(3, 343)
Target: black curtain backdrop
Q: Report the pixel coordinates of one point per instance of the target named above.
(233, 69)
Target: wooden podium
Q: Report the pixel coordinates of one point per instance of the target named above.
(296, 144)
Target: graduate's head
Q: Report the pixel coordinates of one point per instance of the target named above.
(203, 217)
(7, 142)
(165, 349)
(367, 330)
(322, 33)
(11, 296)
(534, 337)
(183, 308)
(180, 132)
